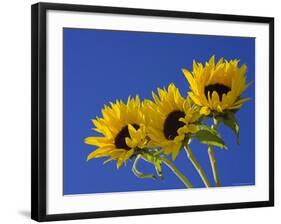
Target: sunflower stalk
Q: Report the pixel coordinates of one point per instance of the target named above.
(138, 173)
(184, 180)
(212, 157)
(157, 160)
(196, 165)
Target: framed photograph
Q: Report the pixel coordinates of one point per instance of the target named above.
(139, 111)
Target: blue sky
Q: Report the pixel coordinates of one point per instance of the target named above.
(101, 66)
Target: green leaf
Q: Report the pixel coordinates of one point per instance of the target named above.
(230, 121)
(209, 136)
(138, 173)
(203, 127)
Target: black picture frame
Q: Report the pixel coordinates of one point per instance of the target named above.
(39, 125)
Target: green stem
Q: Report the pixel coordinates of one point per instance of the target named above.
(137, 172)
(185, 181)
(213, 165)
(212, 158)
(197, 166)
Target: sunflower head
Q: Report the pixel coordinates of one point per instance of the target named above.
(217, 87)
(169, 119)
(122, 130)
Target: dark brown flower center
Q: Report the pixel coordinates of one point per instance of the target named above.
(120, 141)
(172, 124)
(219, 88)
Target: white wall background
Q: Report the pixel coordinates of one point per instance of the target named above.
(15, 110)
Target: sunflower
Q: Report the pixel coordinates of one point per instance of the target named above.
(169, 118)
(122, 129)
(217, 87)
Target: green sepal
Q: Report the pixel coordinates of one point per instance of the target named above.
(209, 136)
(229, 120)
(138, 173)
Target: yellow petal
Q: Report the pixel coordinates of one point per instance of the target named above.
(182, 119)
(99, 153)
(212, 61)
(155, 97)
(190, 79)
(129, 154)
(205, 111)
(235, 107)
(175, 151)
(215, 99)
(195, 99)
(135, 134)
(121, 160)
(132, 143)
(96, 140)
(219, 108)
(155, 134)
(241, 101)
(183, 130)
